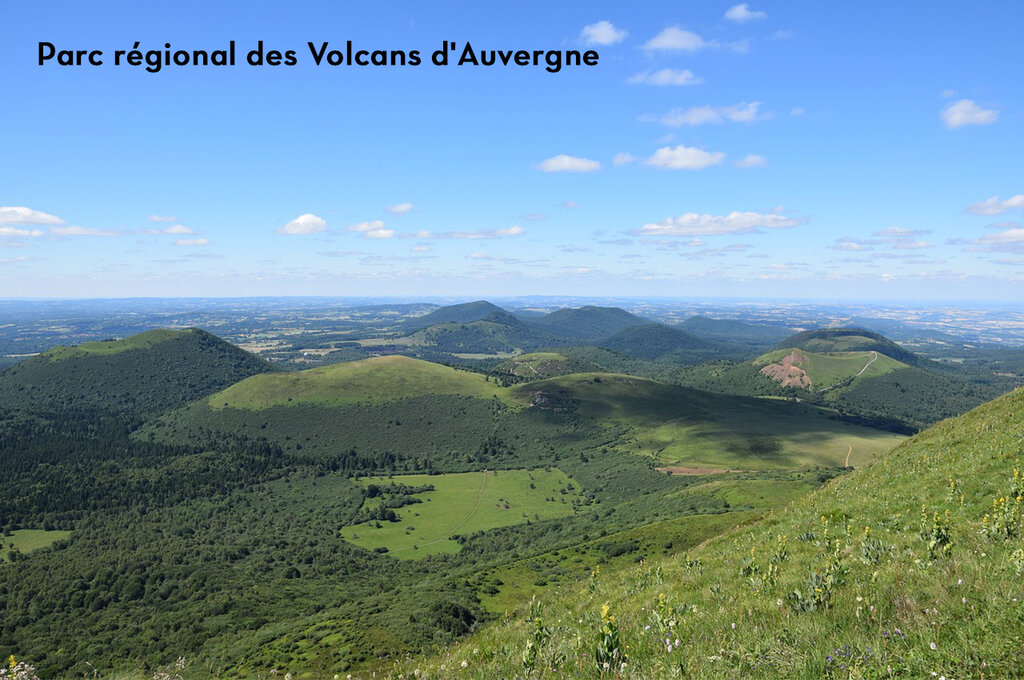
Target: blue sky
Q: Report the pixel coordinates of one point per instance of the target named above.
(766, 149)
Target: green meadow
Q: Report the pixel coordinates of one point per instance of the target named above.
(107, 347)
(27, 540)
(464, 503)
(831, 368)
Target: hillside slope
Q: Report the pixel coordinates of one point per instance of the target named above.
(587, 323)
(912, 567)
(144, 372)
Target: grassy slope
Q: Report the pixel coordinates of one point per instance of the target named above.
(375, 380)
(461, 504)
(146, 340)
(680, 426)
(542, 365)
(895, 609)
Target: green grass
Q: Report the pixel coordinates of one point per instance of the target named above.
(141, 341)
(27, 540)
(462, 504)
(917, 588)
(681, 427)
(376, 380)
(831, 368)
(542, 365)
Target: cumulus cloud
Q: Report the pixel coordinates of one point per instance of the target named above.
(602, 33)
(699, 115)
(177, 229)
(684, 158)
(966, 112)
(372, 225)
(742, 13)
(623, 159)
(162, 218)
(400, 208)
(82, 231)
(751, 160)
(307, 223)
(379, 233)
(564, 163)
(14, 231)
(19, 214)
(192, 242)
(994, 206)
(694, 224)
(675, 39)
(666, 76)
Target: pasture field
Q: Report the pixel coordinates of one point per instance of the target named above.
(375, 380)
(463, 503)
(27, 540)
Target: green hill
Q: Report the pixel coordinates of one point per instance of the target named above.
(912, 567)
(850, 340)
(653, 341)
(735, 332)
(369, 381)
(144, 372)
(497, 333)
(541, 365)
(588, 323)
(461, 313)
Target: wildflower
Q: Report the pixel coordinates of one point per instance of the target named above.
(465, 664)
(932, 645)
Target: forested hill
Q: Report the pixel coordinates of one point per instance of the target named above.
(851, 340)
(141, 373)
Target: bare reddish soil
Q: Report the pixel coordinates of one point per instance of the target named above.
(788, 372)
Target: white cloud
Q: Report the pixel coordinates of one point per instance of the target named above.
(490, 233)
(534, 217)
(993, 206)
(797, 111)
(373, 225)
(563, 163)
(947, 94)
(1003, 237)
(307, 223)
(966, 112)
(602, 33)
(751, 160)
(675, 39)
(666, 76)
(782, 34)
(421, 249)
(192, 242)
(699, 115)
(684, 158)
(82, 231)
(14, 231)
(19, 214)
(742, 13)
(15, 260)
(400, 208)
(623, 159)
(177, 229)
(162, 218)
(694, 224)
(379, 233)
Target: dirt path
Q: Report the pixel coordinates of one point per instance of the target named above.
(847, 463)
(873, 360)
(447, 535)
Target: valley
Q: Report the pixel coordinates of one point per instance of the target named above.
(380, 504)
